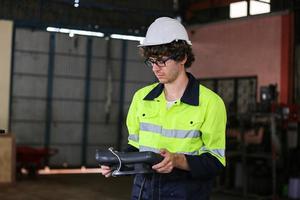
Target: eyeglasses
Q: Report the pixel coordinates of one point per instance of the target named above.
(160, 62)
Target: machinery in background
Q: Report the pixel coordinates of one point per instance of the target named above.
(30, 159)
(263, 147)
(268, 96)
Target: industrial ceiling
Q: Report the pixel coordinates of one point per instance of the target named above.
(118, 16)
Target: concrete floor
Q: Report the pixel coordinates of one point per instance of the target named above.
(76, 187)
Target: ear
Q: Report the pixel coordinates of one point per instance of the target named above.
(183, 61)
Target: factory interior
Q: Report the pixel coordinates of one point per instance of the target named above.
(69, 70)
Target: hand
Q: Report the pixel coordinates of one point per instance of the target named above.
(167, 164)
(105, 170)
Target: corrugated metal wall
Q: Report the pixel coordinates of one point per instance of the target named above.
(67, 93)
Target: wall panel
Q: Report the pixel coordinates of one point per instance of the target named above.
(243, 47)
(31, 40)
(70, 66)
(31, 63)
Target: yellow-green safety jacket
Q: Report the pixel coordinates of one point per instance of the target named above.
(195, 124)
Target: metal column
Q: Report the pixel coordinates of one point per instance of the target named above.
(49, 93)
(85, 127)
(122, 94)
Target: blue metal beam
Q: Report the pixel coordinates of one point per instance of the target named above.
(48, 120)
(122, 94)
(85, 126)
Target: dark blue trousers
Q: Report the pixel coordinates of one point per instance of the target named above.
(178, 185)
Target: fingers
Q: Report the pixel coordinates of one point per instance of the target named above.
(104, 167)
(167, 164)
(166, 168)
(105, 171)
(162, 164)
(163, 152)
(108, 175)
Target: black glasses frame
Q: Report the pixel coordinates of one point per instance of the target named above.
(149, 62)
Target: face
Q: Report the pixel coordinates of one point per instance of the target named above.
(165, 69)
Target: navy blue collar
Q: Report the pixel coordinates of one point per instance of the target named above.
(190, 95)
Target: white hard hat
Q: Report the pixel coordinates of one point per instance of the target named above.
(165, 30)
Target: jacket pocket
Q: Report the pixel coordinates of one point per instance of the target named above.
(147, 115)
(189, 123)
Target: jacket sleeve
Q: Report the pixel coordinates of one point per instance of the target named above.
(213, 129)
(132, 123)
(204, 166)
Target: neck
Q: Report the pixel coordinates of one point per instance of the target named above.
(175, 90)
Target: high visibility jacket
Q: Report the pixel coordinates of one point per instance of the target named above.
(194, 125)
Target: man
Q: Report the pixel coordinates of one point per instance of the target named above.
(178, 118)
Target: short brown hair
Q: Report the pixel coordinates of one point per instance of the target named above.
(179, 49)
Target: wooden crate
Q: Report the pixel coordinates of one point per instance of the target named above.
(7, 159)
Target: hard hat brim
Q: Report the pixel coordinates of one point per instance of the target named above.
(154, 44)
